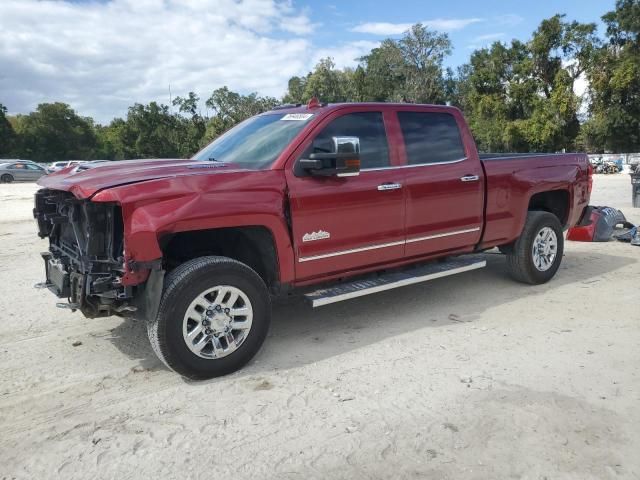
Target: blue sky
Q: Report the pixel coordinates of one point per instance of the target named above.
(101, 56)
(492, 19)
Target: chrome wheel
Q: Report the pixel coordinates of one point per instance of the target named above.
(217, 322)
(545, 249)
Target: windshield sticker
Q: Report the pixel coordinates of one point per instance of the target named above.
(300, 117)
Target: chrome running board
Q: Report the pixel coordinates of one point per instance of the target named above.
(395, 279)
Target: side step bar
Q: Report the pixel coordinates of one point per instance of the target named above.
(387, 281)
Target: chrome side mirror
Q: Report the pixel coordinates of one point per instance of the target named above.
(344, 161)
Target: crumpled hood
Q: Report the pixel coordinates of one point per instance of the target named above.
(85, 181)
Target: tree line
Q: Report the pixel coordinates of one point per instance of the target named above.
(516, 96)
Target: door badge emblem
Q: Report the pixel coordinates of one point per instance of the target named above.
(319, 235)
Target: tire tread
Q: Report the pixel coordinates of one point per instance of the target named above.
(519, 264)
(174, 280)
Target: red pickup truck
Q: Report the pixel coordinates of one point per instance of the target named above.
(356, 197)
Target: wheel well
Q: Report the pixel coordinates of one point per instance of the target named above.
(555, 201)
(253, 246)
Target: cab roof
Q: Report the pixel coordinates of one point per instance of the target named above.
(316, 107)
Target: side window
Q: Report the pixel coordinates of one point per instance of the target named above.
(430, 137)
(368, 127)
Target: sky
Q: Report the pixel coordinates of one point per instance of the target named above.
(101, 56)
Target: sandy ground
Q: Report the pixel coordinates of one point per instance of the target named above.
(472, 376)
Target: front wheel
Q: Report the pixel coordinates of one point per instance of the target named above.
(213, 317)
(536, 255)
(6, 178)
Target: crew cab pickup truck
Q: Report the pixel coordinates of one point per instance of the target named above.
(346, 199)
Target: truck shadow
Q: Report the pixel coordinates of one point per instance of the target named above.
(301, 335)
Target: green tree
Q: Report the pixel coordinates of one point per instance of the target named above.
(111, 141)
(327, 83)
(7, 134)
(614, 82)
(230, 108)
(520, 97)
(409, 69)
(295, 90)
(192, 125)
(150, 131)
(55, 132)
(423, 52)
(384, 73)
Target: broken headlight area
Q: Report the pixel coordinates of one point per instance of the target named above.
(85, 260)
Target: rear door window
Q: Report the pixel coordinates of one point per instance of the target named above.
(430, 137)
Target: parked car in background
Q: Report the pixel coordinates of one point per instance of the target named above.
(20, 170)
(57, 166)
(21, 161)
(89, 164)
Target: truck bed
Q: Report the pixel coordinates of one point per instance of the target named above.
(512, 179)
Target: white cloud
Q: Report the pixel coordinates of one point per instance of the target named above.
(442, 24)
(581, 85)
(510, 19)
(484, 40)
(488, 37)
(345, 55)
(449, 25)
(102, 56)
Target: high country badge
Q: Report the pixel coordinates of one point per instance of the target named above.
(319, 235)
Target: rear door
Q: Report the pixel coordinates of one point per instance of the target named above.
(444, 183)
(348, 223)
(18, 171)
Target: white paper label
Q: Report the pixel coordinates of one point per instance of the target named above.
(300, 117)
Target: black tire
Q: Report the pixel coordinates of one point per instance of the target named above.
(520, 262)
(181, 287)
(6, 178)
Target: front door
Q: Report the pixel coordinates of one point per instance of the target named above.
(343, 224)
(33, 172)
(444, 186)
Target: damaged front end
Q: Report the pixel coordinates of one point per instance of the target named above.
(85, 262)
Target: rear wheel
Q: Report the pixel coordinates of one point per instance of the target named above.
(213, 317)
(6, 178)
(536, 256)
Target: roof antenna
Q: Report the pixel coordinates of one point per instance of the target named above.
(313, 103)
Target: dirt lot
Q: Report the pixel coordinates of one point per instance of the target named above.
(471, 376)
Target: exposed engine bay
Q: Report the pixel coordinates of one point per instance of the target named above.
(85, 261)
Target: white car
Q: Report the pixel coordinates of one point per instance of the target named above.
(19, 170)
(57, 166)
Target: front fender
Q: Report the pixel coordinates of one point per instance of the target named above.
(153, 209)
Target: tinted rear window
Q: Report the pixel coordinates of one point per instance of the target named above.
(430, 137)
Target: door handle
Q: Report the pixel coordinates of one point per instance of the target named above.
(470, 178)
(389, 186)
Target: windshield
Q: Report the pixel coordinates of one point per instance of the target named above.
(255, 143)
